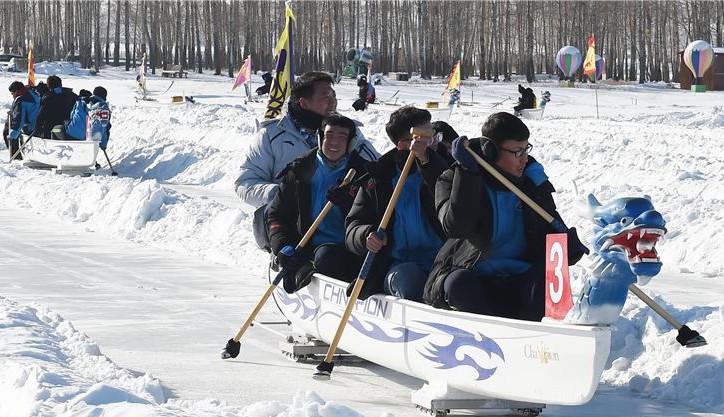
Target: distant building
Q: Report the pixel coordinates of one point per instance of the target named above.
(713, 77)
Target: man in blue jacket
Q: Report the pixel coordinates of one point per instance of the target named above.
(309, 182)
(91, 115)
(413, 236)
(493, 260)
(22, 116)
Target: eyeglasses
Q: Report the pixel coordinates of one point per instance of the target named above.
(520, 152)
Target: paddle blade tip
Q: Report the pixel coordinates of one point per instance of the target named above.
(324, 371)
(231, 350)
(690, 338)
(322, 376)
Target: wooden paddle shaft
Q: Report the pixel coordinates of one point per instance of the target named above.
(254, 312)
(500, 177)
(313, 228)
(20, 148)
(305, 239)
(657, 308)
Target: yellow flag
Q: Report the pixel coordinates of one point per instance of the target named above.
(589, 65)
(31, 65)
(454, 79)
(284, 69)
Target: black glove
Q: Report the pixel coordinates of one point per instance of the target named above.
(576, 249)
(342, 196)
(288, 258)
(462, 156)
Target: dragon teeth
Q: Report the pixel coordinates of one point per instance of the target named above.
(607, 244)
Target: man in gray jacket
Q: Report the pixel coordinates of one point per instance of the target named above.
(280, 141)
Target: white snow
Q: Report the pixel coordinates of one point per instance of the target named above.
(118, 293)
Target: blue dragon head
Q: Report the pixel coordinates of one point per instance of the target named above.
(626, 231)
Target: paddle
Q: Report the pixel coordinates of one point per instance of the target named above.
(324, 369)
(233, 346)
(686, 336)
(113, 173)
(20, 148)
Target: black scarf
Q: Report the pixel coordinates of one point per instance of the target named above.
(304, 118)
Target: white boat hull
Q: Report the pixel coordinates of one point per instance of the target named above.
(61, 153)
(551, 363)
(532, 114)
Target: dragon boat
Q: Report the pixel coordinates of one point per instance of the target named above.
(70, 156)
(524, 364)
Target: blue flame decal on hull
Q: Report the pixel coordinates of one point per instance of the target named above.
(405, 335)
(61, 152)
(377, 333)
(445, 355)
(297, 302)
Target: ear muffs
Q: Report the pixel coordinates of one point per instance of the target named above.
(489, 149)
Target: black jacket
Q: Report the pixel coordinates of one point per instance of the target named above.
(371, 203)
(54, 110)
(526, 100)
(466, 214)
(289, 214)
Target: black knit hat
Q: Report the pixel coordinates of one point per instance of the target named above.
(100, 92)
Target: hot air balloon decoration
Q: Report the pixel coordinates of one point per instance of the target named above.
(569, 60)
(600, 67)
(698, 56)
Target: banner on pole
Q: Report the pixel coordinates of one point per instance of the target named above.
(283, 70)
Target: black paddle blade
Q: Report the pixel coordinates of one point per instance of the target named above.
(690, 338)
(324, 371)
(231, 350)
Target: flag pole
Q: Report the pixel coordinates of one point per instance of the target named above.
(595, 87)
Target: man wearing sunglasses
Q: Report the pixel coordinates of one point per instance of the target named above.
(493, 260)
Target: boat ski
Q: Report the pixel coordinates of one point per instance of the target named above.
(472, 361)
(61, 156)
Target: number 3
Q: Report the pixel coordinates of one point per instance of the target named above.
(557, 257)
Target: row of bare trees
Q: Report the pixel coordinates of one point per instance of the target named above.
(640, 40)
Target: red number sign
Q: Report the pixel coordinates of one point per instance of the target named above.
(558, 285)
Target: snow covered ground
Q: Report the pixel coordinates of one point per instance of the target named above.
(118, 293)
